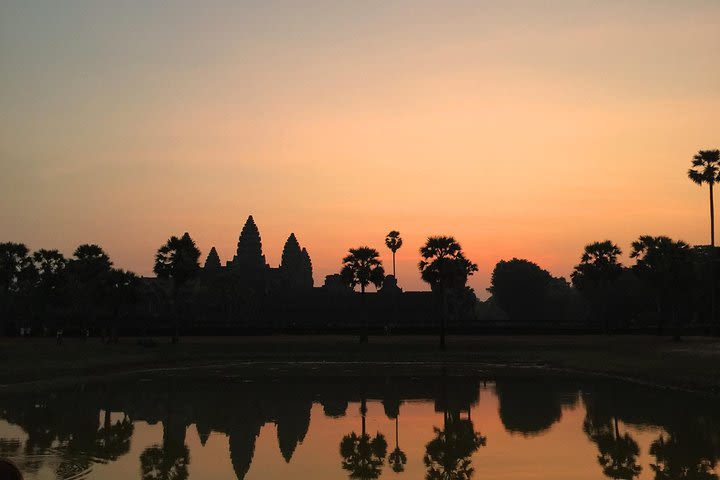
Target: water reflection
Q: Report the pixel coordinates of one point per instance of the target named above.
(101, 430)
(363, 456)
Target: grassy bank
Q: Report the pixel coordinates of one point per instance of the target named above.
(693, 363)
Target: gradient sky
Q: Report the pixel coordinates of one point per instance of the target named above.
(523, 128)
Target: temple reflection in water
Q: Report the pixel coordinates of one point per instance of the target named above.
(444, 425)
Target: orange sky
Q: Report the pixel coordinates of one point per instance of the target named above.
(522, 130)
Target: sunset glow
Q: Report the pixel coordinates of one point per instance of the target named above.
(524, 130)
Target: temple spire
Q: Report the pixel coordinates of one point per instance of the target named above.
(249, 248)
(213, 260)
(296, 267)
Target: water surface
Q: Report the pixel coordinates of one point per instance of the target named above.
(225, 424)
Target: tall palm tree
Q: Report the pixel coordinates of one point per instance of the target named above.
(178, 261)
(89, 272)
(666, 265)
(362, 267)
(705, 169)
(444, 267)
(393, 242)
(597, 270)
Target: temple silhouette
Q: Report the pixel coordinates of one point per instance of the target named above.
(245, 294)
(294, 272)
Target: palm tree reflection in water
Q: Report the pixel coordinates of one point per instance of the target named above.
(447, 456)
(363, 456)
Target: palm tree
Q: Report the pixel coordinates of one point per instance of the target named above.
(598, 268)
(666, 266)
(393, 242)
(706, 169)
(362, 267)
(178, 261)
(89, 272)
(122, 294)
(445, 268)
(17, 276)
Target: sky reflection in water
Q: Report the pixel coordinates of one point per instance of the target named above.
(217, 426)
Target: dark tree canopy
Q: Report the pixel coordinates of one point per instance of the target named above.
(89, 269)
(444, 265)
(706, 170)
(665, 263)
(178, 260)
(15, 266)
(362, 267)
(519, 287)
(705, 167)
(598, 266)
(393, 241)
(49, 263)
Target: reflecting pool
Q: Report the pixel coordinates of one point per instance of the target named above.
(361, 423)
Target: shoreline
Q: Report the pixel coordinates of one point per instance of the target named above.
(692, 365)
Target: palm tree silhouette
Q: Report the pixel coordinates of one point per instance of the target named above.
(363, 456)
(362, 267)
(393, 242)
(178, 261)
(705, 169)
(598, 268)
(666, 265)
(444, 267)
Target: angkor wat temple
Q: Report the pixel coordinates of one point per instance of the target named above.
(294, 272)
(247, 294)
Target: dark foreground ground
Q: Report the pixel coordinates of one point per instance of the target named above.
(692, 364)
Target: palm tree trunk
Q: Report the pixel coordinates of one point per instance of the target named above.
(712, 217)
(714, 325)
(394, 265)
(364, 334)
(443, 318)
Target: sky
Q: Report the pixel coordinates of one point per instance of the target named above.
(523, 128)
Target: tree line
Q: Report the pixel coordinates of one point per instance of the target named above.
(670, 284)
